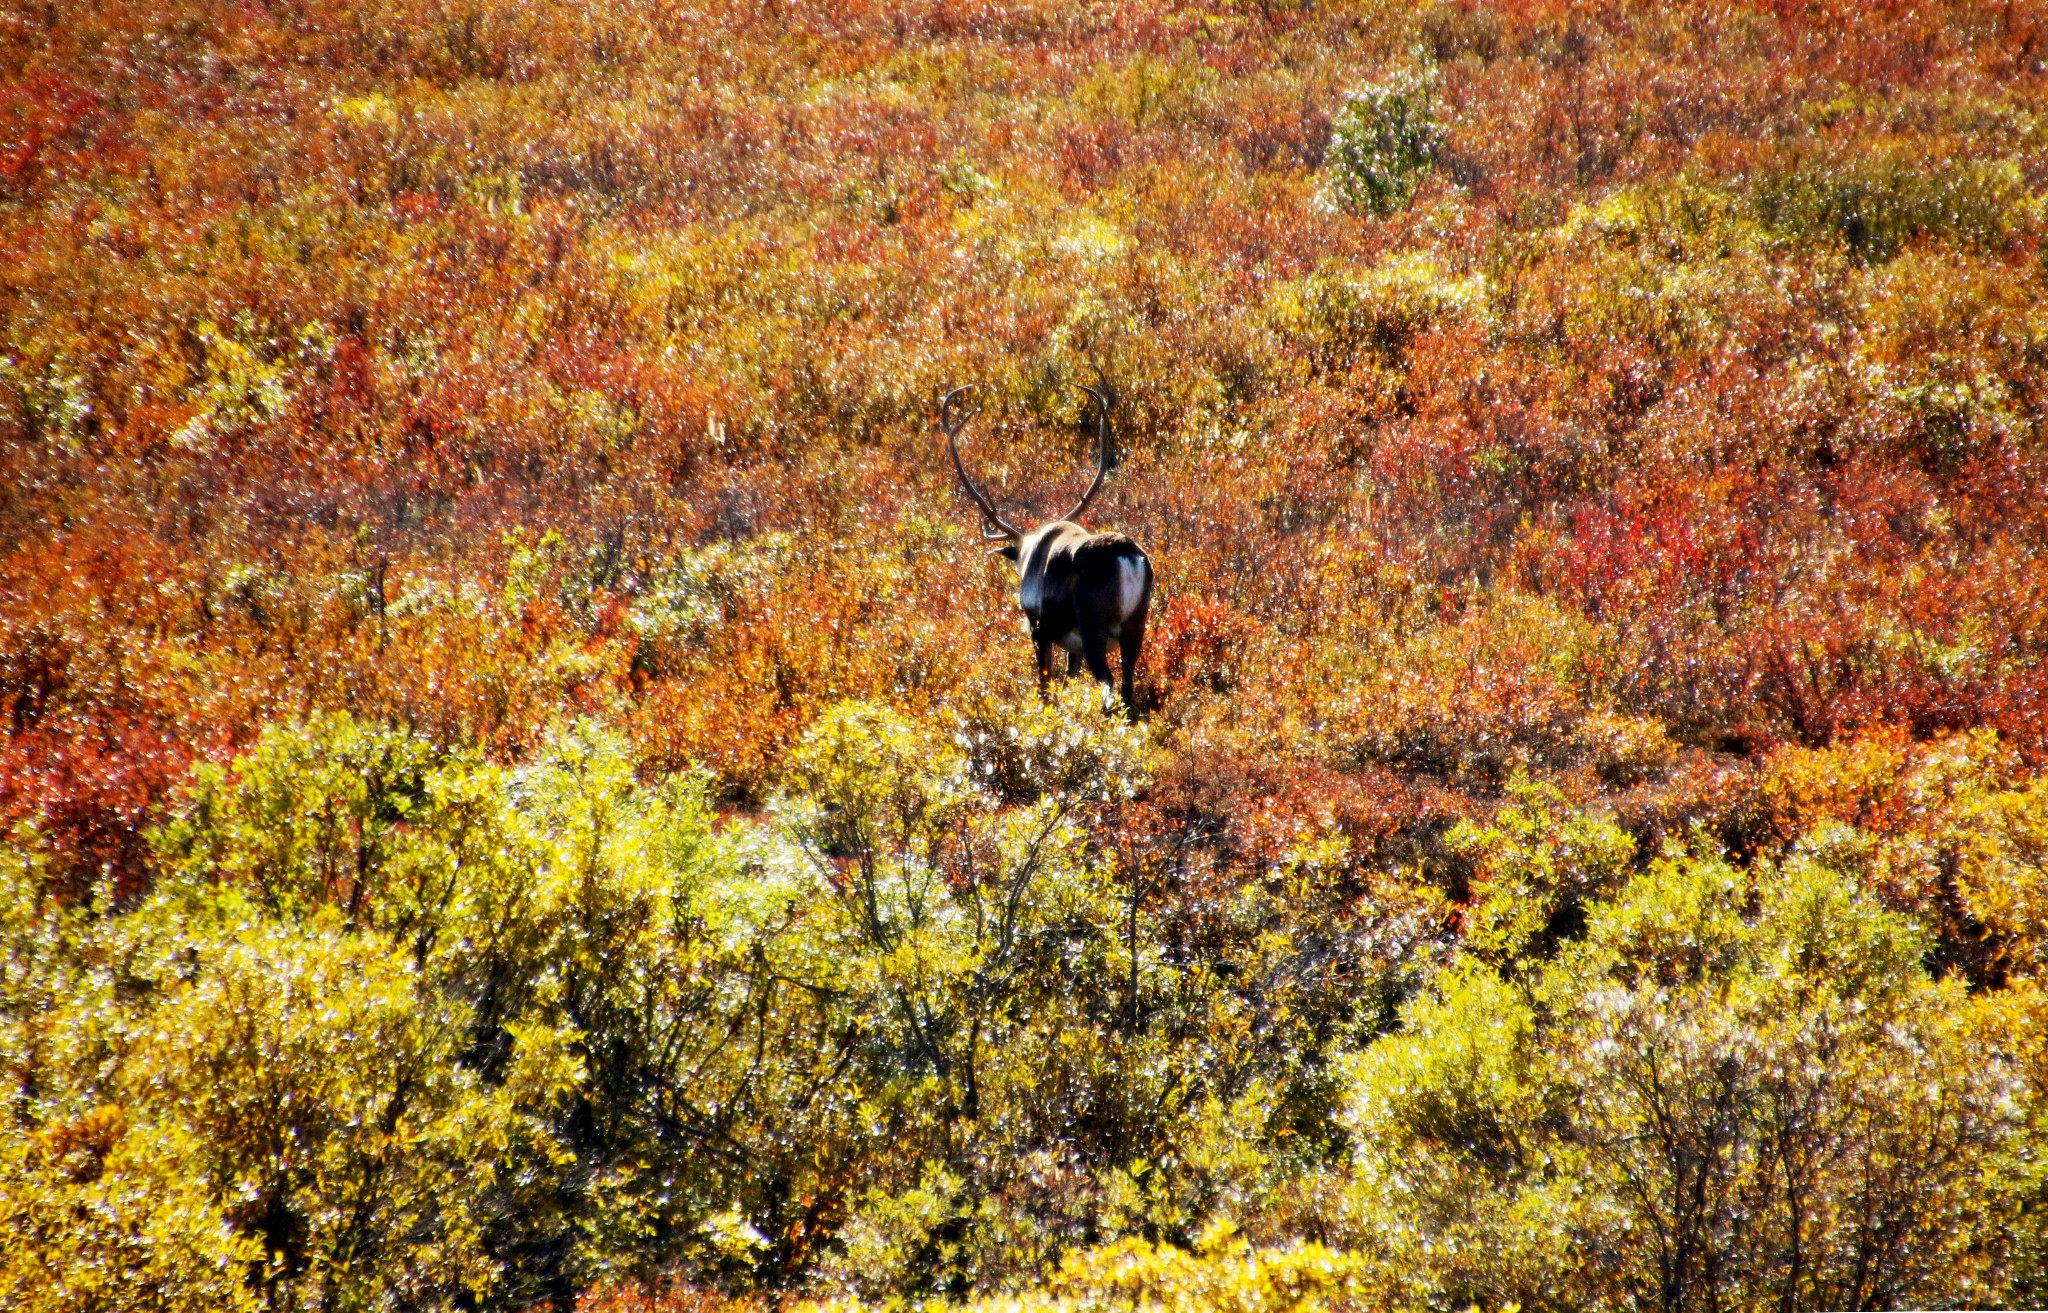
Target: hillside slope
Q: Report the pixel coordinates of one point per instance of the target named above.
(473, 540)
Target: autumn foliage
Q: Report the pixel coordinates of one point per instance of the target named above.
(471, 526)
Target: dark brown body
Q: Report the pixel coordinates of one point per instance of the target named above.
(1081, 591)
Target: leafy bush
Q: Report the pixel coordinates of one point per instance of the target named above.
(398, 1028)
(1382, 139)
(1949, 832)
(311, 1091)
(104, 1214)
(1698, 1103)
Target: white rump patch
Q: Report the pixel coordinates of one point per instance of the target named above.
(1130, 586)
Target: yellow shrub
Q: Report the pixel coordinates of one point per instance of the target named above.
(1222, 1274)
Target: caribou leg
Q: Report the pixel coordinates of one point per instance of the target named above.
(1073, 664)
(1044, 666)
(1129, 640)
(1095, 646)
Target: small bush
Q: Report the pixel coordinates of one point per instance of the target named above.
(1382, 142)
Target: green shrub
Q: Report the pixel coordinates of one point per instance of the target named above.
(1725, 1094)
(309, 1087)
(104, 1218)
(1382, 140)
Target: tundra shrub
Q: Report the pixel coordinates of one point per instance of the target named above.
(1382, 141)
(1728, 1092)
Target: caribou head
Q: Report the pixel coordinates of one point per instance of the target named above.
(1078, 590)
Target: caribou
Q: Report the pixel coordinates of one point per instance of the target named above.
(1077, 589)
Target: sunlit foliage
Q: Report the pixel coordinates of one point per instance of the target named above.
(522, 783)
(1734, 1089)
(914, 1035)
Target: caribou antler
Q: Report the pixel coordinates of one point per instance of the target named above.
(1103, 399)
(997, 527)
